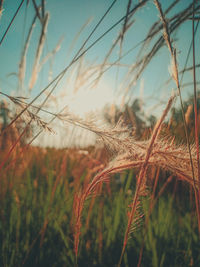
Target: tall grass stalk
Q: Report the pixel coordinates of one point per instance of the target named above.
(175, 76)
(12, 20)
(196, 112)
(77, 56)
(142, 173)
(39, 52)
(22, 64)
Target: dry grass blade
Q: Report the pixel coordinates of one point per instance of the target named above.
(78, 55)
(129, 13)
(78, 35)
(39, 52)
(195, 94)
(130, 155)
(128, 152)
(175, 76)
(50, 54)
(125, 24)
(156, 27)
(174, 23)
(22, 64)
(37, 11)
(141, 178)
(11, 22)
(43, 9)
(117, 40)
(19, 101)
(196, 114)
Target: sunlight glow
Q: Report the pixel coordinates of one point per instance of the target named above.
(89, 101)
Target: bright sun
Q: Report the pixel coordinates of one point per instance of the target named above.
(86, 101)
(82, 103)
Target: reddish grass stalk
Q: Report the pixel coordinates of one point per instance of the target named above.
(196, 114)
(79, 199)
(142, 173)
(166, 36)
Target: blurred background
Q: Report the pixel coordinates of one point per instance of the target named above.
(124, 66)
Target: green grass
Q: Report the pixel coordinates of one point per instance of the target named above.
(36, 228)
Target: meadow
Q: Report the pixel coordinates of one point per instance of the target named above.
(131, 197)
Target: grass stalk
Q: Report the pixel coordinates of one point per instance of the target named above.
(196, 113)
(11, 22)
(175, 75)
(142, 173)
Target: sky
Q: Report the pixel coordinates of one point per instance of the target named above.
(70, 23)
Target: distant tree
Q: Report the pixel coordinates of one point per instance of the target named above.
(4, 113)
(9, 134)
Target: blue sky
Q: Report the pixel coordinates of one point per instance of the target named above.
(66, 19)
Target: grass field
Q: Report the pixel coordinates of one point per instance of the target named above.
(37, 217)
(131, 196)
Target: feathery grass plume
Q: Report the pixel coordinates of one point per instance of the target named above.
(175, 75)
(195, 109)
(75, 39)
(130, 155)
(27, 117)
(78, 55)
(51, 54)
(166, 36)
(119, 37)
(156, 27)
(19, 102)
(79, 75)
(195, 91)
(129, 14)
(183, 71)
(39, 52)
(142, 174)
(174, 23)
(128, 152)
(22, 64)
